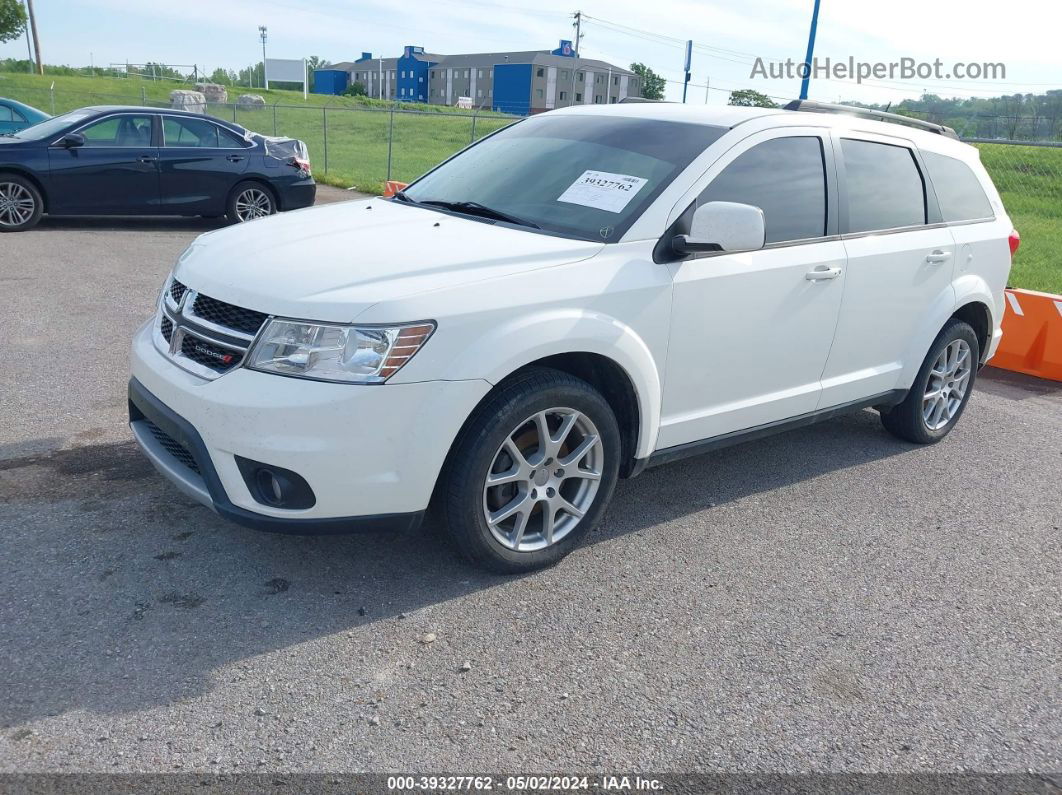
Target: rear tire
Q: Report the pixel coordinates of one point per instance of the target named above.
(249, 201)
(941, 389)
(21, 204)
(552, 441)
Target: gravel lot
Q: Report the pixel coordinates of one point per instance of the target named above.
(830, 600)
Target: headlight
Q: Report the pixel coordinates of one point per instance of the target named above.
(349, 354)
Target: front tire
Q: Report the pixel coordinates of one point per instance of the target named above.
(21, 204)
(250, 200)
(531, 472)
(941, 389)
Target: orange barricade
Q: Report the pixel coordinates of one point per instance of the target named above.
(393, 186)
(1032, 335)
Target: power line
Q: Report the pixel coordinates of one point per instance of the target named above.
(662, 39)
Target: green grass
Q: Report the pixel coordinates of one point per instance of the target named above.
(1028, 178)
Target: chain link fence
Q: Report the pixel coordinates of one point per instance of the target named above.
(1028, 176)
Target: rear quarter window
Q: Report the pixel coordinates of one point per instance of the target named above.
(958, 189)
(884, 186)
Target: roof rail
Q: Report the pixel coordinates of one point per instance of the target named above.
(867, 113)
(632, 100)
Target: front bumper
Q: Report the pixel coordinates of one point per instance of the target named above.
(371, 454)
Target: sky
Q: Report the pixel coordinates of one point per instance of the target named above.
(728, 37)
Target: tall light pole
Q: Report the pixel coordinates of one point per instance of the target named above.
(262, 33)
(811, 51)
(686, 69)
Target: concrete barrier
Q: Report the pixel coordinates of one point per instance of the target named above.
(1032, 335)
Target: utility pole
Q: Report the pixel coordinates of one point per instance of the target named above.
(36, 40)
(686, 68)
(811, 50)
(578, 31)
(262, 33)
(707, 84)
(29, 50)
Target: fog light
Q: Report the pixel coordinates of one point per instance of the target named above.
(275, 486)
(269, 486)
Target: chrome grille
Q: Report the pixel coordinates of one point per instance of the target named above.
(201, 334)
(246, 320)
(176, 291)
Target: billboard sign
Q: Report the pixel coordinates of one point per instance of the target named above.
(286, 70)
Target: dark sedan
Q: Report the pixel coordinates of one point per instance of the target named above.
(147, 161)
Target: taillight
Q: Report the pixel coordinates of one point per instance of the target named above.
(1014, 240)
(302, 165)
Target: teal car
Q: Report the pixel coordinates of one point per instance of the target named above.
(15, 116)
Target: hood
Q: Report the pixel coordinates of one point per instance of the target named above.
(332, 262)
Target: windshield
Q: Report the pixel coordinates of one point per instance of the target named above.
(53, 126)
(583, 176)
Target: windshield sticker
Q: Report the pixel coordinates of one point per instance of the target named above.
(603, 191)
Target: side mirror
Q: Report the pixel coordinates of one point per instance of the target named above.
(71, 140)
(723, 226)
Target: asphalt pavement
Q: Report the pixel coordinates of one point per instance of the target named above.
(831, 599)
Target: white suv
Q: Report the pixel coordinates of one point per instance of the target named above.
(572, 299)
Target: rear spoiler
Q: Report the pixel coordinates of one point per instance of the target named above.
(808, 105)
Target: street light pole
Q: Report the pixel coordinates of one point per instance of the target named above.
(811, 51)
(265, 77)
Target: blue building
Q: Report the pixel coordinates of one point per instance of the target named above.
(330, 81)
(510, 82)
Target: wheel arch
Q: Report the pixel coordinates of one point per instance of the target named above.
(979, 316)
(31, 177)
(590, 345)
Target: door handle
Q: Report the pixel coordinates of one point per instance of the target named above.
(234, 158)
(821, 273)
(938, 256)
(146, 159)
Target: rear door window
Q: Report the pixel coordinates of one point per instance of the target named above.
(784, 177)
(958, 190)
(195, 133)
(884, 186)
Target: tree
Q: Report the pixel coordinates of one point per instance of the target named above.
(252, 76)
(652, 83)
(355, 90)
(312, 63)
(221, 77)
(747, 98)
(12, 20)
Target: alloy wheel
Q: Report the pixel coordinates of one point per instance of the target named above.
(253, 203)
(947, 384)
(543, 479)
(17, 204)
